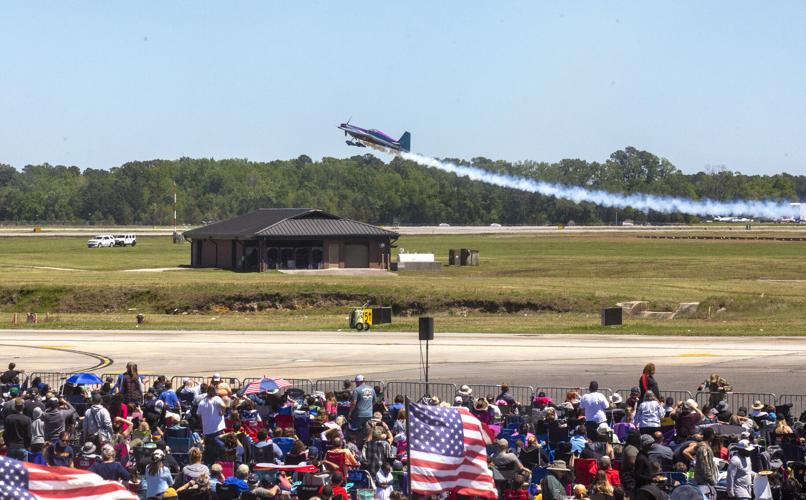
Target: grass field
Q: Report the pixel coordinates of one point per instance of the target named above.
(526, 283)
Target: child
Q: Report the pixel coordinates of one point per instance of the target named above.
(384, 481)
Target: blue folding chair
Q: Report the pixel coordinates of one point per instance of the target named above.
(538, 473)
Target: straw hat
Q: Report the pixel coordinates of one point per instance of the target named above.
(465, 390)
(481, 404)
(616, 399)
(691, 404)
(758, 405)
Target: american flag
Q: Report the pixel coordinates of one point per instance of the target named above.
(447, 452)
(27, 481)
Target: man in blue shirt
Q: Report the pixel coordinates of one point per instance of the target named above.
(239, 479)
(579, 440)
(170, 398)
(361, 403)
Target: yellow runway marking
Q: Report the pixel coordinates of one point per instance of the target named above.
(56, 346)
(695, 355)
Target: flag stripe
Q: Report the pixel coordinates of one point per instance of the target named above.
(437, 463)
(64, 483)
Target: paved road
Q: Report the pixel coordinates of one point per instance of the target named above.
(751, 364)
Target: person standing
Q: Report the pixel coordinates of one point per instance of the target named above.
(649, 414)
(361, 401)
(131, 386)
(706, 473)
(594, 403)
(97, 425)
(211, 411)
(647, 382)
(740, 472)
(17, 434)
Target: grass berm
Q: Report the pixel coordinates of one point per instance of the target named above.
(525, 283)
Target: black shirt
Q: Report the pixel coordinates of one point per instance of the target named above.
(18, 431)
(9, 377)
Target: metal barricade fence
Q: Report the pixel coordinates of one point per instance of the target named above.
(304, 384)
(798, 402)
(334, 385)
(678, 395)
(415, 390)
(557, 394)
(147, 378)
(736, 399)
(179, 380)
(54, 380)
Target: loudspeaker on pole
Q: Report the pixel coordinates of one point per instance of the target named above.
(426, 328)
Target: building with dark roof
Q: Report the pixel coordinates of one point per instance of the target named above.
(290, 238)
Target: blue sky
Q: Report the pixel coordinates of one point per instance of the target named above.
(96, 84)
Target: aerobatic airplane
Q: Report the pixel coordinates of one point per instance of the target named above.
(363, 138)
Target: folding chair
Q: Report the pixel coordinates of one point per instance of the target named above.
(538, 473)
(359, 478)
(585, 470)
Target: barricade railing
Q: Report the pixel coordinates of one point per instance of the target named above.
(54, 380)
(798, 402)
(304, 384)
(735, 400)
(678, 395)
(147, 378)
(327, 385)
(558, 394)
(179, 380)
(416, 390)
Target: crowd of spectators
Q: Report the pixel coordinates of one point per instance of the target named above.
(208, 441)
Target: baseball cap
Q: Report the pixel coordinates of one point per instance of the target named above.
(359, 378)
(216, 377)
(744, 444)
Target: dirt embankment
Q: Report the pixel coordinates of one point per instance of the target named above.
(101, 300)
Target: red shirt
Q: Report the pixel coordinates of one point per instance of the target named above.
(338, 490)
(613, 477)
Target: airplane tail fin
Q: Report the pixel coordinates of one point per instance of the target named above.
(405, 142)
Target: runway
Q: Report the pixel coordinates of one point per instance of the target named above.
(751, 364)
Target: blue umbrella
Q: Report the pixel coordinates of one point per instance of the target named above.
(85, 379)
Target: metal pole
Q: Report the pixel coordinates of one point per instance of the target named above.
(427, 387)
(408, 447)
(174, 207)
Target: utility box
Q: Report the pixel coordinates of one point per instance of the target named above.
(454, 257)
(612, 316)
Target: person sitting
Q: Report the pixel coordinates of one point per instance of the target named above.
(601, 489)
(86, 457)
(238, 479)
(264, 450)
(110, 469)
(533, 455)
(195, 467)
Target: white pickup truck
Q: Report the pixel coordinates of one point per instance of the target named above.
(122, 240)
(101, 240)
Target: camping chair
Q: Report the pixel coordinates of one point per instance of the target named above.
(538, 473)
(263, 454)
(302, 426)
(585, 470)
(359, 478)
(558, 435)
(227, 492)
(227, 468)
(337, 458)
(284, 420)
(284, 443)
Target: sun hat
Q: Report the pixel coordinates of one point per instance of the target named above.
(465, 390)
(758, 405)
(157, 455)
(691, 404)
(170, 493)
(88, 448)
(558, 465)
(616, 399)
(744, 444)
(216, 377)
(481, 404)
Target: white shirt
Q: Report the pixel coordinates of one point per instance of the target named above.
(594, 404)
(210, 412)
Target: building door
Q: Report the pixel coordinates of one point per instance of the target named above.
(333, 255)
(356, 255)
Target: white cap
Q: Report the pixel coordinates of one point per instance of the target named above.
(216, 376)
(744, 444)
(359, 378)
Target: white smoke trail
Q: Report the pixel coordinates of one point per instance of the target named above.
(767, 209)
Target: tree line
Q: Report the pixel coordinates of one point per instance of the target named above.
(363, 188)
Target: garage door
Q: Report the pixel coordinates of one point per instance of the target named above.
(356, 255)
